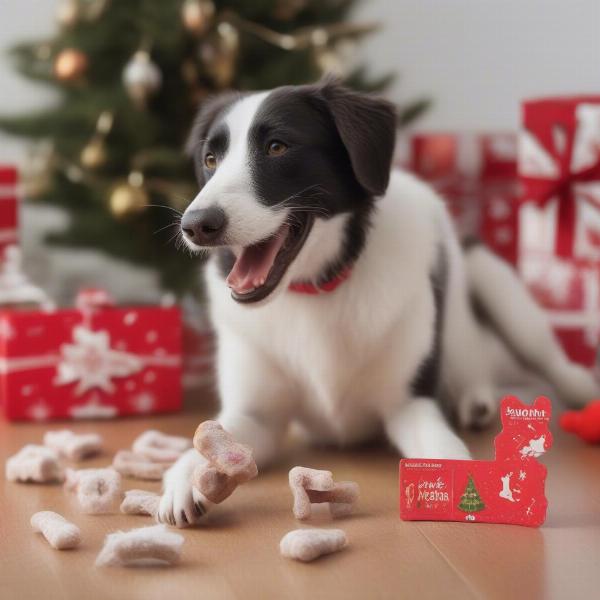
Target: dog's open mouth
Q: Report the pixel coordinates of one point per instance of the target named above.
(259, 268)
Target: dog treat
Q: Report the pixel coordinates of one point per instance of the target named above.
(229, 463)
(312, 486)
(140, 502)
(138, 466)
(308, 544)
(125, 548)
(73, 446)
(60, 533)
(160, 447)
(97, 489)
(34, 464)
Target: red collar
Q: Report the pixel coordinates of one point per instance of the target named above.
(307, 287)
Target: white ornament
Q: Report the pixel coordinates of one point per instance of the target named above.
(141, 77)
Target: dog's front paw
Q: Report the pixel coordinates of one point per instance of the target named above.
(477, 408)
(181, 505)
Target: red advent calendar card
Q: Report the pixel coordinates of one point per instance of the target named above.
(509, 489)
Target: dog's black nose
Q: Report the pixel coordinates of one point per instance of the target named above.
(204, 226)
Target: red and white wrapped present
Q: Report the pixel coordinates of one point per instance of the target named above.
(8, 207)
(476, 175)
(559, 216)
(94, 361)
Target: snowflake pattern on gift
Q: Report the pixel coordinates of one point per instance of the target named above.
(40, 411)
(91, 362)
(144, 402)
(93, 409)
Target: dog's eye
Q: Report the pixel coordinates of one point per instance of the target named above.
(276, 148)
(210, 161)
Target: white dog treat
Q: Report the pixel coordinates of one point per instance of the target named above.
(34, 463)
(97, 489)
(155, 543)
(308, 544)
(137, 466)
(160, 447)
(140, 502)
(311, 486)
(60, 533)
(73, 446)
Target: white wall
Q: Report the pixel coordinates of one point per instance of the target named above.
(475, 58)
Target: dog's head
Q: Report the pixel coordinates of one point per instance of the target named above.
(271, 164)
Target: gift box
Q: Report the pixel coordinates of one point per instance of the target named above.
(8, 207)
(559, 216)
(476, 175)
(93, 361)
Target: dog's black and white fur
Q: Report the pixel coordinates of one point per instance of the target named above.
(296, 186)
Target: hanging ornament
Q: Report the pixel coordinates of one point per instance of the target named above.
(70, 64)
(130, 197)
(219, 54)
(68, 13)
(197, 15)
(141, 77)
(93, 155)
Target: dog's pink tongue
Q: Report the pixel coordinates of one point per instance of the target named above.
(252, 266)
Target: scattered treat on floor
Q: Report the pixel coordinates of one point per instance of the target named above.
(309, 544)
(60, 533)
(312, 486)
(36, 464)
(128, 548)
(74, 446)
(138, 466)
(160, 447)
(230, 463)
(97, 489)
(140, 502)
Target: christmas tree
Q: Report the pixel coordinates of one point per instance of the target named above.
(470, 501)
(131, 76)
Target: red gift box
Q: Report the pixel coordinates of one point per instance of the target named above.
(559, 216)
(94, 361)
(8, 207)
(476, 175)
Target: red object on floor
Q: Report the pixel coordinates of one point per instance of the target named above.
(93, 361)
(8, 207)
(508, 490)
(583, 423)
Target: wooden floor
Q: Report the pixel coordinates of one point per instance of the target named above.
(235, 554)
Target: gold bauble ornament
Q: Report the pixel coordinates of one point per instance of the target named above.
(141, 77)
(70, 64)
(68, 12)
(93, 155)
(219, 54)
(129, 198)
(197, 15)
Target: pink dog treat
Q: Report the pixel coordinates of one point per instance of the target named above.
(73, 446)
(128, 548)
(97, 489)
(307, 544)
(34, 464)
(311, 486)
(140, 502)
(160, 447)
(60, 533)
(137, 466)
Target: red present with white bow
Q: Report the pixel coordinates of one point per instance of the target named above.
(8, 207)
(559, 216)
(476, 175)
(94, 361)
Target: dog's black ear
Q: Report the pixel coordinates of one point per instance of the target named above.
(210, 109)
(367, 126)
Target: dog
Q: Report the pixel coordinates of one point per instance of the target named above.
(340, 295)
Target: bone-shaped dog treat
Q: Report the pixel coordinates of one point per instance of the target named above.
(97, 489)
(160, 447)
(140, 502)
(34, 464)
(137, 466)
(73, 446)
(60, 533)
(312, 486)
(126, 548)
(307, 544)
(229, 463)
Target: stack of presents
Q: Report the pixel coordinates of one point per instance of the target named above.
(532, 197)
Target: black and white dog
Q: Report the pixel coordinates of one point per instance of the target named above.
(340, 295)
